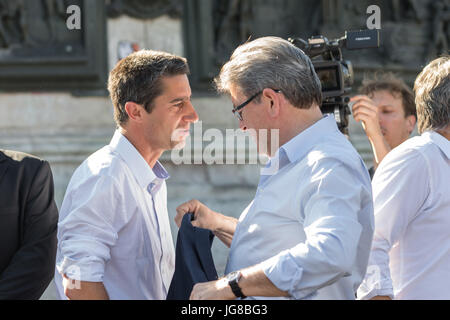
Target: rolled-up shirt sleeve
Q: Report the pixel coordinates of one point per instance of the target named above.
(400, 188)
(332, 229)
(89, 229)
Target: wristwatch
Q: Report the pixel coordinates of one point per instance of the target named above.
(233, 279)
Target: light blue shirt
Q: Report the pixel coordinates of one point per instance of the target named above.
(114, 226)
(311, 223)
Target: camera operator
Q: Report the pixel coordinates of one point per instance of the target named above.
(386, 109)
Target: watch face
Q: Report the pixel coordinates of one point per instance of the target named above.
(233, 276)
(233, 279)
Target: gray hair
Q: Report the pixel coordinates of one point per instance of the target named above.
(272, 62)
(432, 88)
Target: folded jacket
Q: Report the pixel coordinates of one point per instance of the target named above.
(193, 261)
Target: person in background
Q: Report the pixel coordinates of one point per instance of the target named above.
(385, 107)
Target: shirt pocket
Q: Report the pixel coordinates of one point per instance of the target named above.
(273, 204)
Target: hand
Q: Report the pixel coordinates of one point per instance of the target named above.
(365, 111)
(213, 290)
(203, 216)
(84, 290)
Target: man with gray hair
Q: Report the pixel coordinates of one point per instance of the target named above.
(410, 254)
(307, 232)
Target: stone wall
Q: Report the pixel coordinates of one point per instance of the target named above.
(64, 130)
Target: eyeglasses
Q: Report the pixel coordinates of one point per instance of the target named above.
(236, 110)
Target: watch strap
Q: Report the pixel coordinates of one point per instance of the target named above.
(235, 288)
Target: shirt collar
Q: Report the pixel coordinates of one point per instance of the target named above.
(438, 140)
(299, 146)
(143, 173)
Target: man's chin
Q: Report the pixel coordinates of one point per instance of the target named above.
(178, 138)
(178, 145)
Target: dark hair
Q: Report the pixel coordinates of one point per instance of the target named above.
(396, 86)
(137, 78)
(432, 88)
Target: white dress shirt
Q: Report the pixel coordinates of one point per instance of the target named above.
(311, 223)
(114, 226)
(410, 256)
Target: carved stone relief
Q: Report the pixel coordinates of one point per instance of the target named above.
(412, 31)
(144, 9)
(27, 25)
(237, 21)
(39, 52)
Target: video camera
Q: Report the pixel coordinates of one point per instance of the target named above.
(336, 74)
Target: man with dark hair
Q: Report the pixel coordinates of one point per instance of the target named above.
(114, 235)
(307, 233)
(386, 109)
(28, 226)
(410, 255)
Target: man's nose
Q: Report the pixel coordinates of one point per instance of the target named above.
(242, 126)
(192, 115)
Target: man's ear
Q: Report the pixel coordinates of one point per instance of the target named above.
(274, 102)
(411, 123)
(134, 110)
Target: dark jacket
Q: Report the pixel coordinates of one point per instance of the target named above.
(28, 226)
(193, 262)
